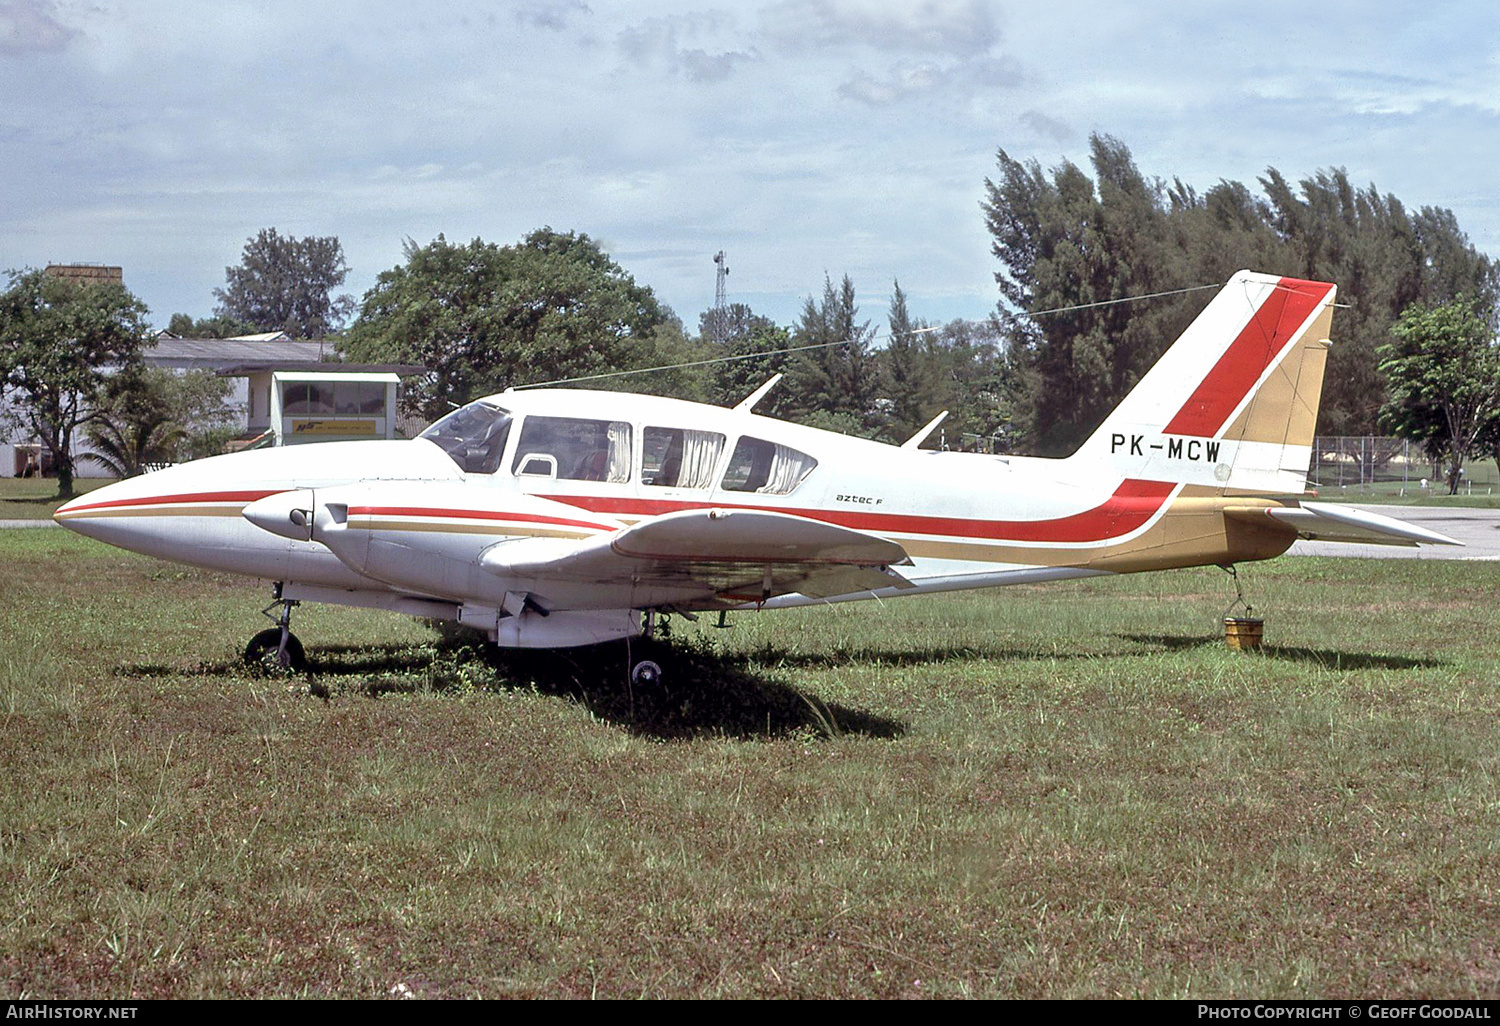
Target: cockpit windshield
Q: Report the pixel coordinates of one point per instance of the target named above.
(473, 435)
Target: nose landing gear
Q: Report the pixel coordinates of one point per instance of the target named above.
(276, 649)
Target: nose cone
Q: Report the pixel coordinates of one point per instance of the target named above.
(92, 514)
(289, 514)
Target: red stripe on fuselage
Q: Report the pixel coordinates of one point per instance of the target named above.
(1219, 394)
(161, 500)
(1132, 505)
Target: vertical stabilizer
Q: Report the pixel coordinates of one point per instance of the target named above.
(1233, 403)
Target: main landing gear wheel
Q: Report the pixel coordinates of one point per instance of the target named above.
(645, 674)
(267, 654)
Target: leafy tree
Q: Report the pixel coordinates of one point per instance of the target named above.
(60, 341)
(979, 384)
(184, 326)
(746, 333)
(1444, 373)
(483, 317)
(150, 415)
(284, 283)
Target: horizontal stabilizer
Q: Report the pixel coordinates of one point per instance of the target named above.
(1326, 521)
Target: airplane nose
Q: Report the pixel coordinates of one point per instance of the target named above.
(60, 514)
(83, 513)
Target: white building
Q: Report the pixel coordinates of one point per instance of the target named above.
(283, 391)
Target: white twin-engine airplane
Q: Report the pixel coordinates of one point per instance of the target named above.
(561, 517)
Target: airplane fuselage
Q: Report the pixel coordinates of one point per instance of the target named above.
(554, 517)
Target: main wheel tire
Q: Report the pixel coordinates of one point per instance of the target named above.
(263, 653)
(645, 674)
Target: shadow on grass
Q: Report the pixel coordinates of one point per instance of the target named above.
(1329, 659)
(703, 693)
(873, 656)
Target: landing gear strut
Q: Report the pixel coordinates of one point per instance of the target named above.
(276, 649)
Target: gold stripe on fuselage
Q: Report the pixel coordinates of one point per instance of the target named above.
(461, 527)
(153, 511)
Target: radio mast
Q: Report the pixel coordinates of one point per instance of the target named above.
(721, 326)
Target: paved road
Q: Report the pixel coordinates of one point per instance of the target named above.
(1478, 529)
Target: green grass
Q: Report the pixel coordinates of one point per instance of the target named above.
(1480, 488)
(1063, 791)
(35, 498)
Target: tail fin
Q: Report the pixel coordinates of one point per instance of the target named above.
(1233, 403)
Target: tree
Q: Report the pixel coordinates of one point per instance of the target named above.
(482, 317)
(1068, 244)
(1071, 249)
(184, 326)
(912, 371)
(285, 284)
(150, 415)
(746, 333)
(60, 342)
(834, 386)
(1443, 368)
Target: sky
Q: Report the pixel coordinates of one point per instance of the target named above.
(804, 138)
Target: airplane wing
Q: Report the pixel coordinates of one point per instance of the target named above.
(714, 556)
(1329, 521)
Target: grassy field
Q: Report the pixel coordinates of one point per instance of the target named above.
(1068, 791)
(35, 498)
(1480, 487)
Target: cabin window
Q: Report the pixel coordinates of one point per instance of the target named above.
(474, 436)
(680, 457)
(574, 449)
(765, 467)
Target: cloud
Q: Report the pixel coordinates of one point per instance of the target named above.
(551, 14)
(957, 28)
(657, 41)
(907, 80)
(1051, 128)
(902, 82)
(29, 26)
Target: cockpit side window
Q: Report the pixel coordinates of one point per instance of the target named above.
(573, 449)
(680, 457)
(473, 435)
(766, 467)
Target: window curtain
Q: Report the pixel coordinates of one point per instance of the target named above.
(700, 455)
(619, 452)
(788, 468)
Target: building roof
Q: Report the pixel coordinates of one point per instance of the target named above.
(219, 353)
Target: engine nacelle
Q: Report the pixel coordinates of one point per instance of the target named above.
(424, 537)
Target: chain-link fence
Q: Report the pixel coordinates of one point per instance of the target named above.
(1370, 463)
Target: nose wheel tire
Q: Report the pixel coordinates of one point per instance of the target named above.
(646, 674)
(266, 654)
